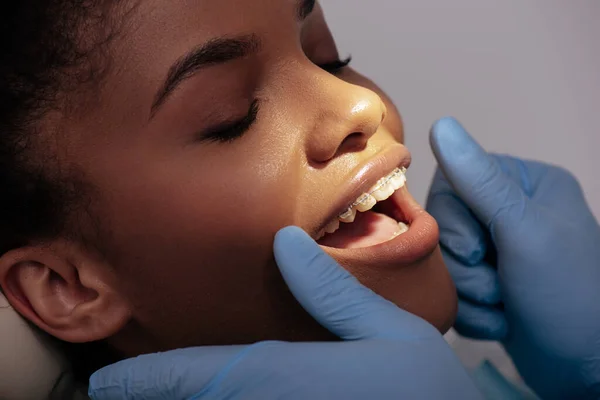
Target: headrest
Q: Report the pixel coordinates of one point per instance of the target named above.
(31, 366)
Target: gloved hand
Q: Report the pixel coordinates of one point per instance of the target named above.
(524, 251)
(387, 353)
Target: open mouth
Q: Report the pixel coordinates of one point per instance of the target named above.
(375, 217)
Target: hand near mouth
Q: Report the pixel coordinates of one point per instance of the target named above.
(522, 245)
(385, 352)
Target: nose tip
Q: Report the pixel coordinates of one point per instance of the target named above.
(361, 106)
(364, 104)
(352, 115)
(367, 115)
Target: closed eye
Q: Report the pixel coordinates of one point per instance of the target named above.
(336, 66)
(229, 131)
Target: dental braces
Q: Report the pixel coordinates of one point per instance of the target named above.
(380, 183)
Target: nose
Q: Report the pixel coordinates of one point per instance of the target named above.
(349, 115)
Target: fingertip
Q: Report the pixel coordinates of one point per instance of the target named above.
(305, 267)
(449, 139)
(442, 126)
(289, 235)
(292, 243)
(459, 156)
(444, 131)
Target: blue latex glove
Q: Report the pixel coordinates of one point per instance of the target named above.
(524, 251)
(387, 353)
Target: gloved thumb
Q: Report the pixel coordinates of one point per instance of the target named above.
(476, 176)
(337, 300)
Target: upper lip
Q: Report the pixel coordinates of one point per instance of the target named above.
(365, 177)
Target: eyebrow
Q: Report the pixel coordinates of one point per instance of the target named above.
(216, 51)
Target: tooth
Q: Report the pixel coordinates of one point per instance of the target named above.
(383, 192)
(397, 181)
(348, 216)
(333, 226)
(378, 185)
(366, 202)
(320, 234)
(403, 228)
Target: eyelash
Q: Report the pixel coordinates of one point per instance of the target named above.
(230, 131)
(336, 66)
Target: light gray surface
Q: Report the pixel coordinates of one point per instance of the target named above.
(522, 75)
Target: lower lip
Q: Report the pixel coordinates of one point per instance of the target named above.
(417, 243)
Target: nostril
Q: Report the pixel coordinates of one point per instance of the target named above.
(353, 136)
(354, 142)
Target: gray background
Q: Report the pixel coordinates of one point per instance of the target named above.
(522, 75)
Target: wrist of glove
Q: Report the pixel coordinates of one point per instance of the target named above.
(524, 251)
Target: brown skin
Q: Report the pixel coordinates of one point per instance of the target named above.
(188, 225)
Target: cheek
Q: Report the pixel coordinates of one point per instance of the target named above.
(199, 231)
(203, 213)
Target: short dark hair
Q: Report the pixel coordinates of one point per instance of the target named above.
(49, 49)
(44, 59)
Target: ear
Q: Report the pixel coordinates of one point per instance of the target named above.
(64, 290)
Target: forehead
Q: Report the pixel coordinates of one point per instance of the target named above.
(158, 32)
(210, 17)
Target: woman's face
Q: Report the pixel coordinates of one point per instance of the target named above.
(216, 126)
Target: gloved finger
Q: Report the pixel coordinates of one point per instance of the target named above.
(476, 177)
(177, 374)
(336, 299)
(480, 322)
(477, 283)
(460, 232)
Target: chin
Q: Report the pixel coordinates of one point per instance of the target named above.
(424, 288)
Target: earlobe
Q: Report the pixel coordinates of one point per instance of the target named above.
(65, 291)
